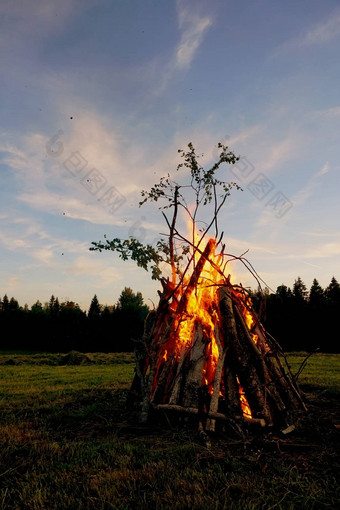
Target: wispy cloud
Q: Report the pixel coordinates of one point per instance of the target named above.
(308, 190)
(47, 183)
(93, 267)
(321, 251)
(193, 28)
(25, 22)
(281, 151)
(316, 35)
(332, 112)
(322, 32)
(298, 200)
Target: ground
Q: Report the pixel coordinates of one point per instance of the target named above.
(67, 441)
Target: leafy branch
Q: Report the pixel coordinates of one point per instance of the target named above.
(204, 188)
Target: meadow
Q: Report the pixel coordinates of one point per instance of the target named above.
(67, 441)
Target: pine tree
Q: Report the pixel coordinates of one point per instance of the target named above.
(56, 307)
(13, 305)
(5, 303)
(316, 294)
(300, 292)
(95, 307)
(333, 291)
(51, 304)
(284, 292)
(37, 307)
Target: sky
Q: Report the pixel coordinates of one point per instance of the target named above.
(97, 97)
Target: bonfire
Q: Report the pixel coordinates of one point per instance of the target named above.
(204, 353)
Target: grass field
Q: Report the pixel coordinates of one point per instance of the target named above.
(66, 442)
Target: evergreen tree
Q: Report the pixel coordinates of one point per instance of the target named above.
(106, 311)
(5, 303)
(95, 307)
(13, 305)
(37, 307)
(333, 291)
(51, 304)
(284, 293)
(316, 294)
(300, 292)
(56, 307)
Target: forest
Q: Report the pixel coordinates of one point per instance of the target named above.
(298, 318)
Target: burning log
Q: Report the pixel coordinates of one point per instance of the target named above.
(204, 351)
(206, 354)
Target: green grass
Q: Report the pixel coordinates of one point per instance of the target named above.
(321, 373)
(65, 443)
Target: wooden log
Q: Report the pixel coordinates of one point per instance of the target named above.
(137, 389)
(215, 416)
(217, 382)
(277, 405)
(241, 359)
(166, 324)
(163, 380)
(194, 373)
(232, 397)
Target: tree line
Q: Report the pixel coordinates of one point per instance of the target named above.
(301, 319)
(298, 318)
(64, 326)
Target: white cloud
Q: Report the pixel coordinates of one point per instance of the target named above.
(322, 32)
(75, 208)
(94, 268)
(281, 151)
(43, 255)
(332, 112)
(27, 21)
(324, 169)
(26, 236)
(322, 234)
(298, 200)
(13, 157)
(325, 250)
(193, 28)
(308, 190)
(47, 183)
(318, 34)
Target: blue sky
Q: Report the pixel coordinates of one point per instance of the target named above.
(98, 96)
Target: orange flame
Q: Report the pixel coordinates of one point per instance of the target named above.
(243, 401)
(203, 307)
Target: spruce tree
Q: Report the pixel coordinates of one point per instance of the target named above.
(316, 294)
(333, 291)
(95, 308)
(5, 303)
(300, 292)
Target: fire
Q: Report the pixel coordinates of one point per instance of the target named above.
(202, 306)
(250, 320)
(243, 401)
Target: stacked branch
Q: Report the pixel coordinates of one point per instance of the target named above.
(213, 361)
(247, 383)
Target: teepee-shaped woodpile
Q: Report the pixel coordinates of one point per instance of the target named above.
(205, 353)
